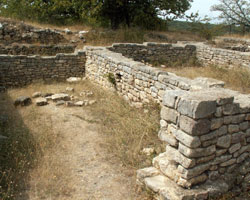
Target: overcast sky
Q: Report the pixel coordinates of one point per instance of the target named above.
(203, 6)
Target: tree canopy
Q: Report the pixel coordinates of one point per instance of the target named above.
(234, 11)
(146, 13)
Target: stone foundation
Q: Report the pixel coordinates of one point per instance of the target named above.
(18, 71)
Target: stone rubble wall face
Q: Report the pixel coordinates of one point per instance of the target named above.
(136, 82)
(48, 50)
(207, 138)
(215, 56)
(207, 130)
(11, 32)
(18, 71)
(155, 53)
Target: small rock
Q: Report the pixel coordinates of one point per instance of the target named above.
(70, 89)
(148, 151)
(86, 93)
(67, 31)
(70, 104)
(36, 94)
(47, 94)
(62, 96)
(163, 66)
(59, 103)
(91, 102)
(41, 102)
(23, 101)
(74, 79)
(80, 103)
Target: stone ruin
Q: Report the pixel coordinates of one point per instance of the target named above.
(205, 127)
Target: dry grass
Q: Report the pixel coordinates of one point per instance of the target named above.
(32, 161)
(239, 36)
(234, 78)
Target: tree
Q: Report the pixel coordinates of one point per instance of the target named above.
(234, 11)
(146, 13)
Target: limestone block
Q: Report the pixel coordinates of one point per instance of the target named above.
(221, 159)
(216, 123)
(196, 108)
(233, 128)
(186, 139)
(171, 96)
(191, 173)
(168, 114)
(168, 138)
(194, 127)
(147, 172)
(234, 148)
(196, 153)
(224, 141)
(229, 162)
(175, 155)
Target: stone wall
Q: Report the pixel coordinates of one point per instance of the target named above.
(25, 49)
(155, 52)
(207, 133)
(15, 32)
(206, 128)
(17, 71)
(216, 56)
(135, 81)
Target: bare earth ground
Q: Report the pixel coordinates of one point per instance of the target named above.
(78, 161)
(96, 175)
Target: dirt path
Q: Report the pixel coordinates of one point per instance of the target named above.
(95, 173)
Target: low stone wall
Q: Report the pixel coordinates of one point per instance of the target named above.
(135, 81)
(205, 127)
(17, 71)
(207, 55)
(25, 49)
(15, 32)
(155, 52)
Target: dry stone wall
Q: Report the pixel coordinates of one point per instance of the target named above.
(12, 32)
(135, 81)
(27, 49)
(17, 71)
(155, 52)
(215, 56)
(206, 128)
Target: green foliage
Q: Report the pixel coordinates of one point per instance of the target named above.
(112, 13)
(111, 79)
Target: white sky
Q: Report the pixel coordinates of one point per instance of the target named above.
(203, 6)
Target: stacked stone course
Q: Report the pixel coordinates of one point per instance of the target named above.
(205, 127)
(18, 71)
(25, 49)
(207, 55)
(155, 52)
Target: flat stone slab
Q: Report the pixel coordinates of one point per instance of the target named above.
(169, 190)
(62, 96)
(74, 79)
(41, 101)
(23, 101)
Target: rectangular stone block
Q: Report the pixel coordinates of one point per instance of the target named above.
(194, 127)
(191, 173)
(196, 108)
(186, 139)
(196, 153)
(168, 114)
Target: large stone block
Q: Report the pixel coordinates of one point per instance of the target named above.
(194, 127)
(168, 114)
(191, 173)
(171, 96)
(196, 109)
(186, 139)
(175, 155)
(198, 152)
